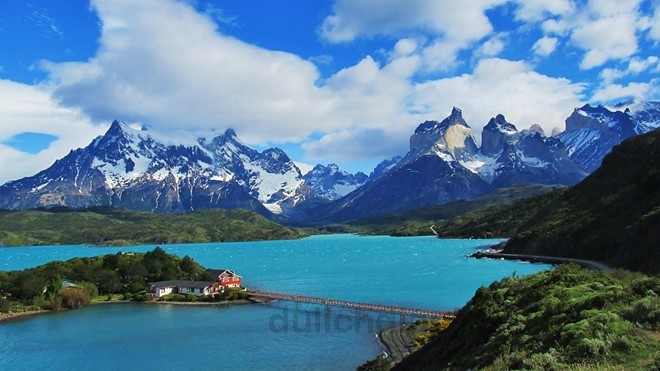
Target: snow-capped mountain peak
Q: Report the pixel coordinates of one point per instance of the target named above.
(450, 139)
(591, 132)
(151, 170)
(331, 182)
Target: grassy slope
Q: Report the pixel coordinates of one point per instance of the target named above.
(417, 222)
(107, 226)
(552, 320)
(612, 216)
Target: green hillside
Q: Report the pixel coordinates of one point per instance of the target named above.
(108, 226)
(612, 216)
(569, 318)
(417, 222)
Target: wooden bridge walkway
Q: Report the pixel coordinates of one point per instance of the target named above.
(352, 304)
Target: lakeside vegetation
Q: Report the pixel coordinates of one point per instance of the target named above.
(107, 226)
(77, 282)
(568, 318)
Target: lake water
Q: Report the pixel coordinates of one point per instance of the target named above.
(419, 272)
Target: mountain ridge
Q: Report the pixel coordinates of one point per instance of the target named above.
(147, 170)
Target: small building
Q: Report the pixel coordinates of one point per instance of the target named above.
(226, 277)
(197, 288)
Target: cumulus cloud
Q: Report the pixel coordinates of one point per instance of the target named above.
(495, 86)
(635, 66)
(545, 46)
(164, 63)
(30, 109)
(600, 49)
(444, 20)
(537, 10)
(654, 32)
(352, 19)
(492, 46)
(616, 92)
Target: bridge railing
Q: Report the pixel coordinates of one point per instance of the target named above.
(351, 304)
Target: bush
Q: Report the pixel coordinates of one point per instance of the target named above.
(128, 296)
(74, 297)
(140, 297)
(5, 305)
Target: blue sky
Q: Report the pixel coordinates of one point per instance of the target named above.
(343, 81)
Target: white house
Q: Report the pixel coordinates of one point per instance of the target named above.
(197, 288)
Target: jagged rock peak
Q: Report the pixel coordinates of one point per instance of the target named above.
(230, 133)
(496, 134)
(117, 127)
(455, 118)
(500, 124)
(383, 167)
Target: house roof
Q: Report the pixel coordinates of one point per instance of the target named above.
(195, 284)
(218, 272)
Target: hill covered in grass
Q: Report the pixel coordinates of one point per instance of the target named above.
(417, 222)
(612, 216)
(569, 318)
(109, 226)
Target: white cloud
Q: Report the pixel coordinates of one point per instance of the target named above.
(29, 109)
(654, 32)
(616, 92)
(452, 25)
(495, 86)
(358, 142)
(537, 10)
(605, 39)
(492, 46)
(545, 46)
(164, 63)
(635, 66)
(363, 18)
(405, 47)
(555, 27)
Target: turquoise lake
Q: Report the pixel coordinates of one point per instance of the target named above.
(418, 272)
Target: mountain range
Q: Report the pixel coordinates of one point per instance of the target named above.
(142, 169)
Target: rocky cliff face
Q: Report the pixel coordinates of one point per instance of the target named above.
(591, 132)
(330, 182)
(508, 156)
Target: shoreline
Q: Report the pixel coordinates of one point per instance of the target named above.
(397, 341)
(497, 254)
(12, 316)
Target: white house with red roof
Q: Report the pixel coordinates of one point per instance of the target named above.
(226, 277)
(223, 278)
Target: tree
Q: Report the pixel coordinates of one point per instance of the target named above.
(160, 266)
(108, 282)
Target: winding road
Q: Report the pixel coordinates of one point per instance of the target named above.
(545, 259)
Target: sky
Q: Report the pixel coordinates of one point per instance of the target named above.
(341, 81)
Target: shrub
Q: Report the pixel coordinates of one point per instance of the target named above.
(74, 297)
(140, 297)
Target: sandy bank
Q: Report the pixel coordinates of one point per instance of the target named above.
(398, 341)
(13, 316)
